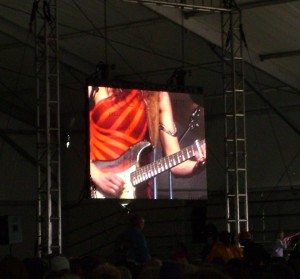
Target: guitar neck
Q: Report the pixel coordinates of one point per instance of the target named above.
(163, 164)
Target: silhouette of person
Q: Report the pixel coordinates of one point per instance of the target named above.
(223, 251)
(279, 245)
(131, 247)
(254, 254)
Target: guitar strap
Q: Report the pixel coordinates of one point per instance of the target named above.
(152, 103)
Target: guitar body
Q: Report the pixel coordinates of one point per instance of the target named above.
(128, 168)
(123, 167)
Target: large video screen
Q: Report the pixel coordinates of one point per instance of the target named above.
(146, 143)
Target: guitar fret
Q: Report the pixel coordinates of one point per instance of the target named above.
(179, 157)
(146, 172)
(160, 166)
(173, 160)
(139, 178)
(165, 162)
(144, 176)
(183, 158)
(149, 172)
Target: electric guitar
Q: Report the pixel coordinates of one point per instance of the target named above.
(127, 167)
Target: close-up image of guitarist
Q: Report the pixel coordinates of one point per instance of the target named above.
(125, 127)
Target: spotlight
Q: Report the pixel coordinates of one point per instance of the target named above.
(68, 141)
(126, 205)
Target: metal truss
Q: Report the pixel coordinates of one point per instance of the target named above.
(48, 128)
(195, 5)
(235, 127)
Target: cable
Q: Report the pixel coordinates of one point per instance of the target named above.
(34, 10)
(108, 42)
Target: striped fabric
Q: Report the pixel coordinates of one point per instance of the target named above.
(116, 123)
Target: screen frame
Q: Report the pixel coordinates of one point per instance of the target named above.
(128, 85)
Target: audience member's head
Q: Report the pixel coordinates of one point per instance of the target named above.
(149, 272)
(137, 221)
(13, 267)
(171, 270)
(225, 237)
(237, 269)
(245, 237)
(89, 262)
(36, 267)
(106, 271)
(59, 263)
(154, 261)
(279, 234)
(208, 272)
(125, 272)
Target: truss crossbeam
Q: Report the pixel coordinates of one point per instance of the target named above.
(195, 5)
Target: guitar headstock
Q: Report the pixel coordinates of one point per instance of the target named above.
(195, 118)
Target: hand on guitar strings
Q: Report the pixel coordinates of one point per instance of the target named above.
(193, 165)
(111, 184)
(200, 156)
(107, 183)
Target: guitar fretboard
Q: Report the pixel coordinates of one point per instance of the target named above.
(161, 165)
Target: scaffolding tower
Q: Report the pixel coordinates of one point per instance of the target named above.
(235, 126)
(48, 128)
